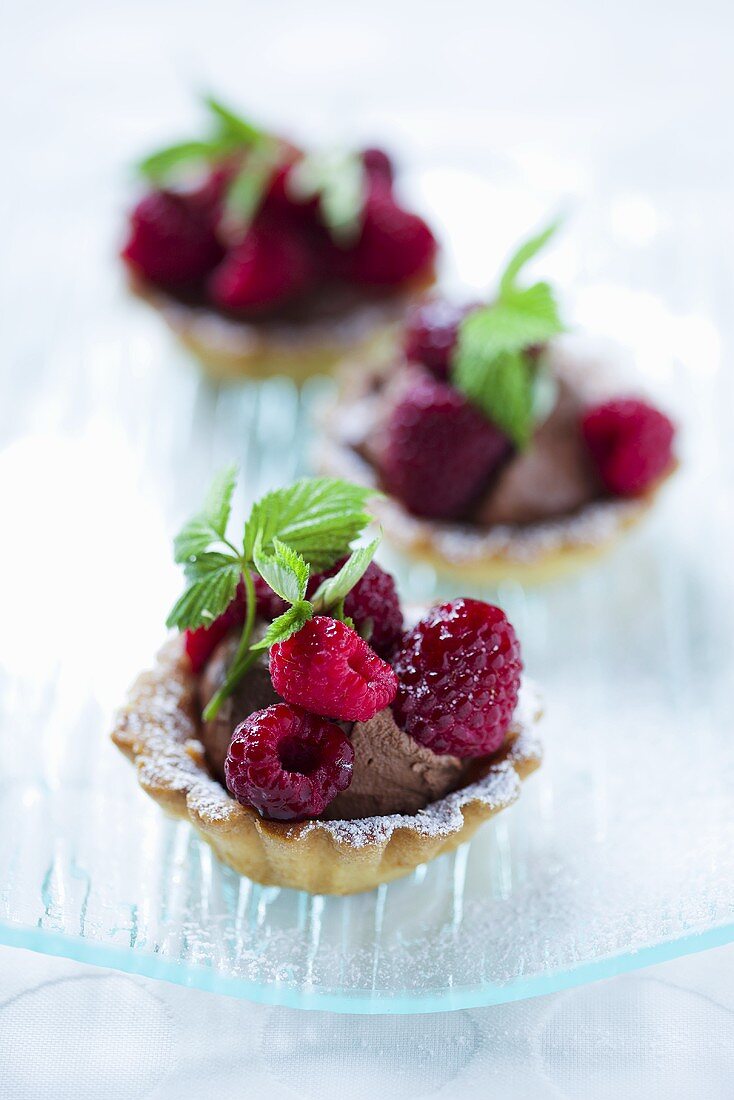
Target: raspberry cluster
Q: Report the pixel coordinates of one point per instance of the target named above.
(441, 452)
(453, 685)
(180, 241)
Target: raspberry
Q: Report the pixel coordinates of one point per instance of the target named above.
(631, 444)
(271, 265)
(200, 644)
(374, 599)
(441, 451)
(171, 240)
(328, 669)
(287, 764)
(458, 675)
(394, 245)
(430, 334)
(378, 165)
(269, 605)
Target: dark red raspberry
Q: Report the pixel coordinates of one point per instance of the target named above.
(269, 605)
(631, 444)
(378, 165)
(431, 331)
(394, 245)
(288, 764)
(200, 644)
(272, 264)
(458, 674)
(372, 602)
(328, 669)
(441, 450)
(209, 196)
(374, 599)
(171, 240)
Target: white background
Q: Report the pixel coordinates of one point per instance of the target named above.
(575, 99)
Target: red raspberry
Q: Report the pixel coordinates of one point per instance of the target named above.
(171, 240)
(209, 196)
(328, 669)
(459, 674)
(269, 605)
(430, 334)
(441, 451)
(631, 444)
(200, 644)
(270, 266)
(288, 764)
(394, 245)
(374, 599)
(378, 165)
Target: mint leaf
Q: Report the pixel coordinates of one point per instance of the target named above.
(488, 364)
(339, 181)
(317, 517)
(210, 524)
(285, 571)
(332, 591)
(232, 125)
(290, 622)
(232, 134)
(209, 593)
(526, 252)
(249, 187)
(501, 386)
(158, 166)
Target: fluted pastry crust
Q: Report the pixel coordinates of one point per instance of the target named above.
(158, 729)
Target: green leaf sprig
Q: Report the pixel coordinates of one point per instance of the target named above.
(335, 178)
(338, 180)
(308, 526)
(231, 136)
(490, 365)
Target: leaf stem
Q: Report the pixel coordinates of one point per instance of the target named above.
(244, 658)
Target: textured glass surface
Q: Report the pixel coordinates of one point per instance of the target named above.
(621, 849)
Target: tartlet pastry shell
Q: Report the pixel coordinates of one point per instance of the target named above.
(230, 349)
(158, 730)
(533, 554)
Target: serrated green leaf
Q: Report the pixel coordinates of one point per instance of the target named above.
(210, 524)
(332, 591)
(234, 125)
(501, 386)
(287, 624)
(208, 594)
(339, 181)
(317, 517)
(159, 165)
(284, 570)
(524, 254)
(218, 502)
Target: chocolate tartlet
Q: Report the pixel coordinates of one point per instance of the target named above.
(264, 258)
(501, 454)
(310, 739)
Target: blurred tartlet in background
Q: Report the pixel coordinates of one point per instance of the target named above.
(505, 448)
(265, 258)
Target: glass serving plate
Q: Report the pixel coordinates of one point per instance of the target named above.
(620, 850)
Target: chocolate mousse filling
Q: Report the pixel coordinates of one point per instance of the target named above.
(393, 774)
